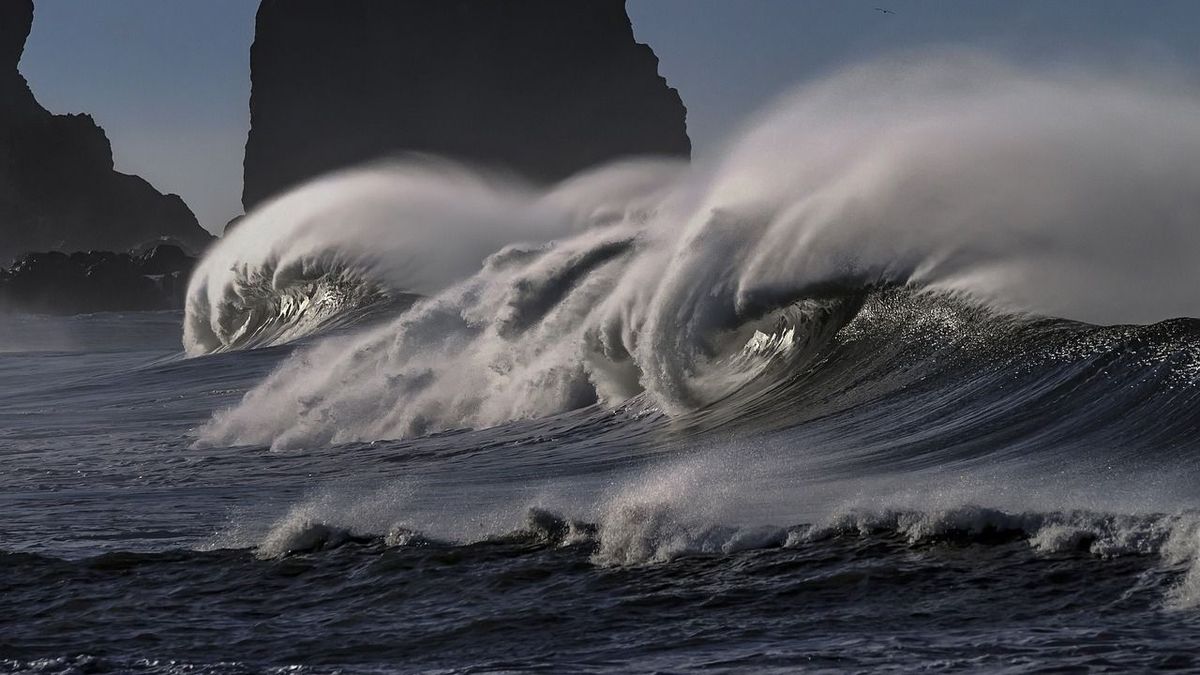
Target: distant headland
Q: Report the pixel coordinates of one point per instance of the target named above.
(58, 187)
(540, 89)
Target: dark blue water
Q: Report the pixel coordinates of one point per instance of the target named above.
(1010, 495)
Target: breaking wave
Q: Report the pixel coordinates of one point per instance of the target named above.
(322, 254)
(955, 279)
(636, 531)
(996, 191)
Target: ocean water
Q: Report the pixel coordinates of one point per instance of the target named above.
(897, 382)
(866, 526)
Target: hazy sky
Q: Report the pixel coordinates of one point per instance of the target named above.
(169, 79)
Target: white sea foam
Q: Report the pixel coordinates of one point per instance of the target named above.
(1061, 192)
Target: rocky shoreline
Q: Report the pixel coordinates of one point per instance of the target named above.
(85, 282)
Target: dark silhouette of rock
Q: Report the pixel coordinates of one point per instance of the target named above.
(97, 281)
(58, 187)
(541, 87)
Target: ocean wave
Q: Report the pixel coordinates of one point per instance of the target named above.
(632, 534)
(958, 180)
(931, 290)
(323, 254)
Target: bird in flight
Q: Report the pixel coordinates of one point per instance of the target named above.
(884, 10)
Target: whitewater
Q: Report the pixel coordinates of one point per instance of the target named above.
(905, 375)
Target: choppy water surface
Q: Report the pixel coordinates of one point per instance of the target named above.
(825, 402)
(953, 514)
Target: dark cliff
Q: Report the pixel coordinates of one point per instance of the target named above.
(58, 188)
(544, 88)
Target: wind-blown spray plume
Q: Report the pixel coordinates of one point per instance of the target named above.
(1059, 193)
(325, 252)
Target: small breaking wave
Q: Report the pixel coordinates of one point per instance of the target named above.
(632, 534)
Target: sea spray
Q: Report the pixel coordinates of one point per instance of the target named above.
(1026, 191)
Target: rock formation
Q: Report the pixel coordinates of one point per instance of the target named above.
(544, 88)
(97, 281)
(58, 188)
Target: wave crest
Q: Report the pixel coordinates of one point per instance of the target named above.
(960, 180)
(320, 255)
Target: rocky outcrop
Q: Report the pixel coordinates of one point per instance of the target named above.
(544, 88)
(97, 281)
(58, 187)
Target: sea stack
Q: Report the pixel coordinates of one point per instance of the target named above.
(539, 88)
(58, 187)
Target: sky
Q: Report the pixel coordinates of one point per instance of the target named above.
(169, 79)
